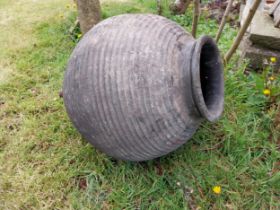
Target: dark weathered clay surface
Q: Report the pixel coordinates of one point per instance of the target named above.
(130, 83)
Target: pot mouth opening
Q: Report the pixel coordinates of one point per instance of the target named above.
(207, 78)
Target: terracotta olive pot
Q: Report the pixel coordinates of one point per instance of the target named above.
(138, 86)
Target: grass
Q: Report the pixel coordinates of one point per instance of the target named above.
(45, 164)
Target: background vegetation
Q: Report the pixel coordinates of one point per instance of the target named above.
(45, 164)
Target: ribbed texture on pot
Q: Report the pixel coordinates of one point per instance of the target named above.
(127, 88)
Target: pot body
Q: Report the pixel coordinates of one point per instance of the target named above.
(128, 87)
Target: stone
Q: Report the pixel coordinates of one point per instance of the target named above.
(257, 54)
(275, 13)
(262, 31)
(274, 6)
(277, 22)
(244, 10)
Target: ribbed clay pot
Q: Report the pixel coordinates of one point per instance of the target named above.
(138, 86)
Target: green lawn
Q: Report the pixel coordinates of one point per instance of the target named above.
(45, 164)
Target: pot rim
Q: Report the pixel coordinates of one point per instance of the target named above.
(207, 78)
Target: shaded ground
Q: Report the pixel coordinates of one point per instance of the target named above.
(45, 164)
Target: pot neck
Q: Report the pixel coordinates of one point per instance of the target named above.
(207, 78)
